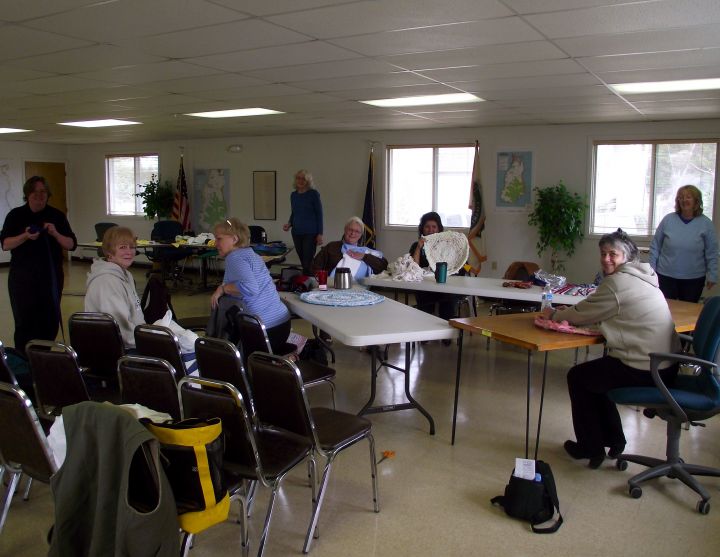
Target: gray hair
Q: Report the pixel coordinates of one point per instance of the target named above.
(356, 220)
(307, 175)
(620, 240)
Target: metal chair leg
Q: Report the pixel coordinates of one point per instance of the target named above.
(9, 492)
(26, 495)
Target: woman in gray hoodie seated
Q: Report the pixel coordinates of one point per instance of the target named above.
(111, 286)
(635, 320)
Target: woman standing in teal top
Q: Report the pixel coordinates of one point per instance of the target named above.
(684, 250)
(306, 219)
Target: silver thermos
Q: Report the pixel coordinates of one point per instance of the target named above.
(343, 278)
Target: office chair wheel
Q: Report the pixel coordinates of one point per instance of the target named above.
(703, 506)
(621, 465)
(635, 492)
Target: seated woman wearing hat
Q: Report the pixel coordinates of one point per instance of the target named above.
(362, 260)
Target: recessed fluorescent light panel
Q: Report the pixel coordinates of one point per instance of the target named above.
(13, 130)
(667, 86)
(99, 123)
(452, 98)
(236, 113)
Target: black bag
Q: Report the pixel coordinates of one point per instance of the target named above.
(531, 500)
(155, 300)
(315, 351)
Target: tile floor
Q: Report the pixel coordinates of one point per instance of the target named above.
(435, 497)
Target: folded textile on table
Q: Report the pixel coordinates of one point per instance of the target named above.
(404, 268)
(517, 284)
(565, 327)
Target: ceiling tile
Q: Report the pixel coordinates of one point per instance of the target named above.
(215, 39)
(86, 59)
(533, 6)
(263, 7)
(393, 92)
(238, 93)
(518, 69)
(207, 83)
(148, 72)
(445, 37)
(12, 10)
(323, 70)
(482, 55)
(363, 82)
(117, 20)
(304, 53)
(640, 42)
(655, 60)
(571, 82)
(11, 74)
(546, 92)
(20, 42)
(389, 15)
(59, 84)
(623, 18)
(664, 74)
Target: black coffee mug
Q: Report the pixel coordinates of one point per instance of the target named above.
(441, 272)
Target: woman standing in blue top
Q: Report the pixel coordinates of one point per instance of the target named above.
(248, 279)
(684, 250)
(306, 219)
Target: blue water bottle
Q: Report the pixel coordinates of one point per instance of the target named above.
(441, 272)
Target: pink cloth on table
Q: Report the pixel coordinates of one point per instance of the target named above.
(564, 327)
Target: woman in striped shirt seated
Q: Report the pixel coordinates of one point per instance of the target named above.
(248, 280)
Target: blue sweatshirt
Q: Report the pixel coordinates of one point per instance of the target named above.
(306, 216)
(247, 271)
(682, 250)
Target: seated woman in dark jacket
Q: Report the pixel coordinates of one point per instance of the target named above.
(363, 261)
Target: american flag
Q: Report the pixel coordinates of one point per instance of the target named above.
(181, 203)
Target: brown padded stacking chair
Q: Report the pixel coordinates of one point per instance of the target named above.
(220, 360)
(251, 453)
(150, 382)
(56, 375)
(156, 341)
(253, 338)
(23, 446)
(97, 340)
(280, 401)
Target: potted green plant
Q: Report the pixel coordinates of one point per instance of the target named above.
(157, 197)
(558, 215)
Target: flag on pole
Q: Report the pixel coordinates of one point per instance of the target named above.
(369, 209)
(477, 219)
(181, 203)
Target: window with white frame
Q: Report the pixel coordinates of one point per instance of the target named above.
(635, 182)
(124, 174)
(429, 178)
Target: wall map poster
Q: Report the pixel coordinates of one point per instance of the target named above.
(513, 179)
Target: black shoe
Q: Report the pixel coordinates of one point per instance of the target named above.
(578, 453)
(616, 450)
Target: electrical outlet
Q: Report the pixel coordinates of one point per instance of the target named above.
(493, 265)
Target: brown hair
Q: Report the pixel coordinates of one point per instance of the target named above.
(29, 186)
(114, 236)
(697, 196)
(234, 227)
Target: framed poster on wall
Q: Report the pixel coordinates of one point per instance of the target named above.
(513, 182)
(264, 202)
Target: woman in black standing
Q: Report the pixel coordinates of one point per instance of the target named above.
(36, 234)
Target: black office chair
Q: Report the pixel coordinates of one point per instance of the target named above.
(150, 382)
(56, 375)
(691, 399)
(280, 401)
(257, 234)
(23, 446)
(100, 229)
(253, 338)
(168, 258)
(220, 360)
(251, 453)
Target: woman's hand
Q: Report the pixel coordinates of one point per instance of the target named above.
(286, 226)
(31, 235)
(547, 313)
(355, 254)
(219, 291)
(709, 284)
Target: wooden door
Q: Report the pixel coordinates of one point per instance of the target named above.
(54, 173)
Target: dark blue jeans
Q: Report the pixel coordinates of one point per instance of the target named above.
(305, 245)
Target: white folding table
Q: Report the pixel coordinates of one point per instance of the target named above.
(388, 322)
(472, 286)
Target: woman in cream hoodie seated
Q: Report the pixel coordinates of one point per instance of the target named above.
(635, 320)
(111, 286)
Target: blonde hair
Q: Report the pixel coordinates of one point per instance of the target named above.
(697, 196)
(114, 236)
(233, 227)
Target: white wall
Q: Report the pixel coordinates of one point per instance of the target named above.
(339, 164)
(13, 155)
